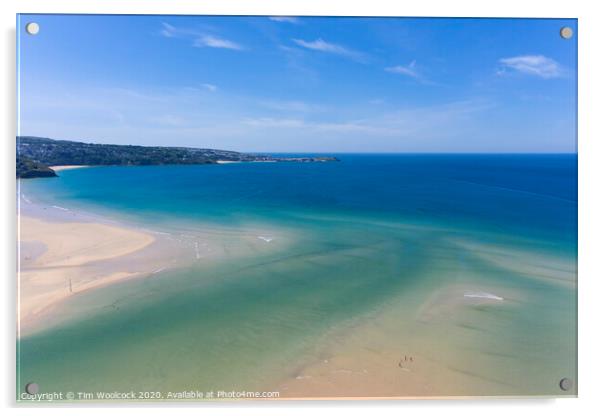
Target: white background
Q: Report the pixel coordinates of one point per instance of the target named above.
(590, 178)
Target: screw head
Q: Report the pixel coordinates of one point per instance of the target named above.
(32, 28)
(566, 32)
(32, 388)
(566, 384)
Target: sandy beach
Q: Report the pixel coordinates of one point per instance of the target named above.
(67, 167)
(63, 253)
(56, 260)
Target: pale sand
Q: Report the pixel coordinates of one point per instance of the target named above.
(61, 257)
(397, 351)
(66, 167)
(60, 268)
(387, 355)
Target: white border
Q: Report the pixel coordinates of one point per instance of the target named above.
(590, 209)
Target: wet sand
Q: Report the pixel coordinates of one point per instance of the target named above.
(56, 259)
(392, 353)
(63, 253)
(435, 343)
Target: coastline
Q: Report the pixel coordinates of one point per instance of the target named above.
(57, 261)
(63, 253)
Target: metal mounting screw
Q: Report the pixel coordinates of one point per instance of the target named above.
(32, 388)
(566, 32)
(32, 28)
(566, 384)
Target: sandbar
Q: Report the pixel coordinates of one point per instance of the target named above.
(55, 260)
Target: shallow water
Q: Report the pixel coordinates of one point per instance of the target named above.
(388, 241)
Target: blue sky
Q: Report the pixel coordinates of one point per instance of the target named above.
(281, 84)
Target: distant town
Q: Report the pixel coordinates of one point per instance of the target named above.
(37, 155)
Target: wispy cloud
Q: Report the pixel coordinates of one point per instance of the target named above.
(209, 87)
(327, 47)
(215, 42)
(317, 127)
(401, 123)
(188, 117)
(295, 106)
(171, 31)
(168, 30)
(199, 39)
(411, 70)
(284, 19)
(296, 63)
(408, 70)
(537, 65)
(271, 122)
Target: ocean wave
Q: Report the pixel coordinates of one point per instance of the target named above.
(482, 295)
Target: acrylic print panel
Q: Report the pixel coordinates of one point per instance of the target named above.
(215, 208)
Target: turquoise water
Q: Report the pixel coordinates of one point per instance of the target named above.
(369, 231)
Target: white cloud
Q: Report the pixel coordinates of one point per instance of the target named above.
(168, 30)
(408, 70)
(317, 127)
(209, 87)
(327, 47)
(284, 19)
(537, 65)
(215, 42)
(199, 39)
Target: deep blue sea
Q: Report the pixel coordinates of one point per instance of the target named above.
(513, 193)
